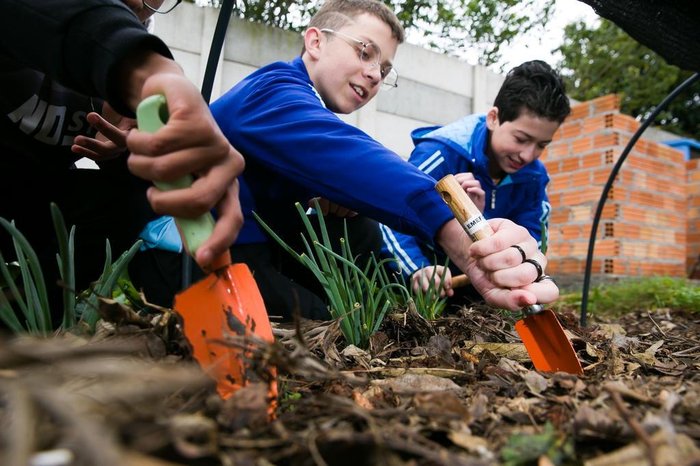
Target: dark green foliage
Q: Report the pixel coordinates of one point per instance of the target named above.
(603, 59)
(30, 300)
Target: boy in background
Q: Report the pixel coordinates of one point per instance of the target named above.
(494, 156)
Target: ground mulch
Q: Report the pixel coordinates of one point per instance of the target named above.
(459, 390)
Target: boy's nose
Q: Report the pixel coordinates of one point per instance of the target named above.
(374, 74)
(530, 153)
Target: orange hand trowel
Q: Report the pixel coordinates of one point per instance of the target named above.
(225, 302)
(540, 331)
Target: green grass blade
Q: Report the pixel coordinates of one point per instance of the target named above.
(7, 313)
(66, 265)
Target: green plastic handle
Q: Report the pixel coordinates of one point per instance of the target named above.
(151, 115)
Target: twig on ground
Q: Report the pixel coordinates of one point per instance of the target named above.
(634, 425)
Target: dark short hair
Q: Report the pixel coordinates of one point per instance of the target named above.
(532, 87)
(335, 14)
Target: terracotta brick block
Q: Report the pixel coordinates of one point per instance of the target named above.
(570, 164)
(675, 223)
(681, 239)
(642, 146)
(630, 213)
(606, 103)
(611, 211)
(617, 193)
(559, 249)
(581, 144)
(579, 111)
(628, 232)
(558, 217)
(580, 196)
(558, 183)
(570, 130)
(638, 179)
(601, 176)
(670, 253)
(657, 234)
(607, 247)
(592, 160)
(645, 198)
(580, 178)
(554, 198)
(673, 218)
(675, 172)
(553, 166)
(623, 122)
(579, 249)
(610, 266)
(606, 140)
(625, 178)
(595, 124)
(677, 204)
(641, 163)
(570, 232)
(581, 213)
(557, 149)
(671, 154)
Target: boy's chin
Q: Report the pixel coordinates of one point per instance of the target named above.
(344, 110)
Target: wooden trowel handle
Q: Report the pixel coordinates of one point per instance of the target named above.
(458, 281)
(468, 214)
(471, 219)
(151, 115)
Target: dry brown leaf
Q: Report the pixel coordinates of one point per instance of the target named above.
(416, 383)
(669, 450)
(535, 382)
(514, 351)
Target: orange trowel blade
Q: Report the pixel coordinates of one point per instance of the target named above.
(547, 344)
(226, 302)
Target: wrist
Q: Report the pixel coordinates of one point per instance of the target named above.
(136, 69)
(454, 242)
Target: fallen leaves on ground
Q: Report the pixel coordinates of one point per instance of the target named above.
(457, 391)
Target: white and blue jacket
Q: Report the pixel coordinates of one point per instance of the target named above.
(296, 149)
(460, 148)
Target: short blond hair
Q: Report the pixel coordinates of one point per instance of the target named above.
(335, 14)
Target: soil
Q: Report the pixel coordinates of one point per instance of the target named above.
(460, 390)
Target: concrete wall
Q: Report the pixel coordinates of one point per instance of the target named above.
(433, 88)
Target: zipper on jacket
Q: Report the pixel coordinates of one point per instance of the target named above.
(493, 199)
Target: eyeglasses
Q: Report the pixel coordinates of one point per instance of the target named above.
(165, 7)
(370, 55)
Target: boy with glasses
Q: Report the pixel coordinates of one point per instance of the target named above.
(283, 119)
(54, 80)
(494, 156)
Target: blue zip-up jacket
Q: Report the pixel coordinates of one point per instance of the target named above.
(296, 149)
(460, 147)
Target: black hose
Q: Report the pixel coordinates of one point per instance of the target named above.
(608, 185)
(217, 43)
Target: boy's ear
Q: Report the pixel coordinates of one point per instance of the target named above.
(312, 42)
(492, 118)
